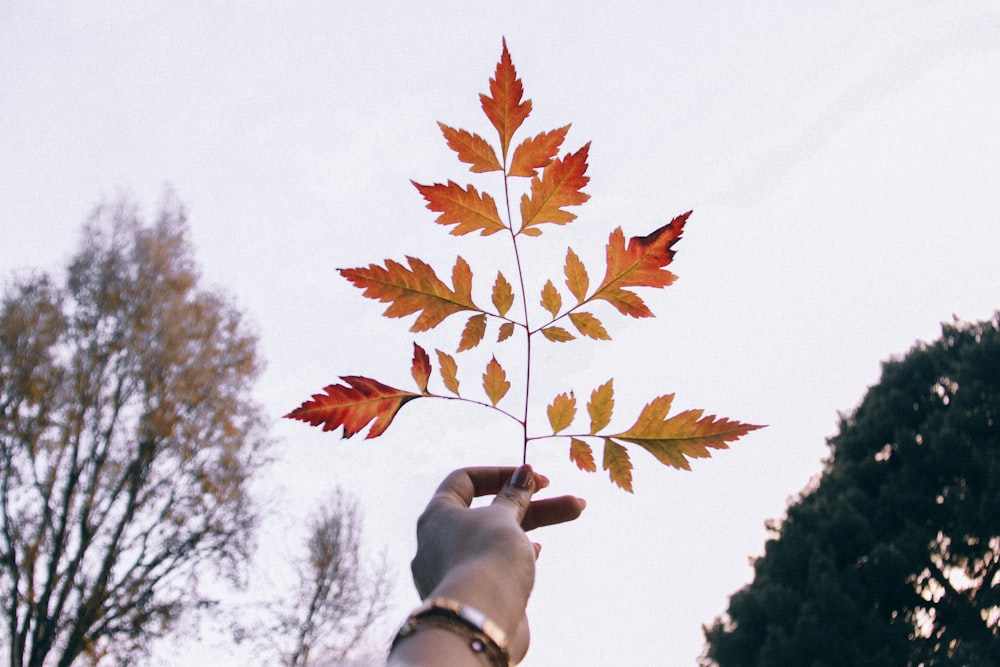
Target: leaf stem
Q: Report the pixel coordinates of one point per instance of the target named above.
(524, 306)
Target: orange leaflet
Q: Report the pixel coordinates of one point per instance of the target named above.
(582, 455)
(562, 411)
(503, 295)
(472, 149)
(577, 279)
(495, 381)
(601, 405)
(589, 326)
(503, 106)
(473, 333)
(353, 406)
(551, 300)
(468, 209)
(421, 369)
(686, 435)
(449, 371)
(557, 334)
(560, 185)
(417, 289)
(618, 464)
(640, 264)
(536, 152)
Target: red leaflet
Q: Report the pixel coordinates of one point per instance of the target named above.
(503, 106)
(639, 264)
(537, 152)
(472, 149)
(353, 406)
(468, 209)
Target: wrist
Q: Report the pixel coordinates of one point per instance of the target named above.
(496, 594)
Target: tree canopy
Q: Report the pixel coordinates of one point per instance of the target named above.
(892, 557)
(128, 438)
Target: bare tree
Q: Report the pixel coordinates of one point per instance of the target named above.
(127, 441)
(340, 594)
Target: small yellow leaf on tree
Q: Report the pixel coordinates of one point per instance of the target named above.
(449, 371)
(551, 299)
(495, 381)
(601, 405)
(562, 411)
(588, 325)
(618, 464)
(582, 455)
(503, 295)
(557, 334)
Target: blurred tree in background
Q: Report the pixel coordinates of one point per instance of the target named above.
(893, 556)
(128, 439)
(339, 594)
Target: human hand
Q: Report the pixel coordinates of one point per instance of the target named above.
(482, 556)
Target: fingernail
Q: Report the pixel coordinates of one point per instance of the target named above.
(521, 479)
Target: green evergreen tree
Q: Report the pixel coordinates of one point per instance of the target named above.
(892, 557)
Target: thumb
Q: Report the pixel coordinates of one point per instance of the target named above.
(517, 491)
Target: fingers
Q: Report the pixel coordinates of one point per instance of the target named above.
(551, 511)
(461, 486)
(516, 493)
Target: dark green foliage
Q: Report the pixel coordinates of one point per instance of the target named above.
(893, 557)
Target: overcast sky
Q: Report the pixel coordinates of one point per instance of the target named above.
(842, 161)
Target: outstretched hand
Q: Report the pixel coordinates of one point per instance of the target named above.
(483, 556)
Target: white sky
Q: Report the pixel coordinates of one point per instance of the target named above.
(843, 165)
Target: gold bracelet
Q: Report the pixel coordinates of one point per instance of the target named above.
(483, 635)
